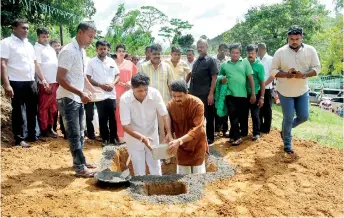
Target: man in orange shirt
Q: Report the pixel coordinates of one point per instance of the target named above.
(187, 116)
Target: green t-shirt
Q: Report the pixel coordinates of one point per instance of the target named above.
(258, 76)
(236, 74)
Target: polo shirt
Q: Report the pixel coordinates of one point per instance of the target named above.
(103, 72)
(72, 58)
(236, 74)
(46, 57)
(202, 71)
(304, 60)
(258, 76)
(21, 58)
(142, 116)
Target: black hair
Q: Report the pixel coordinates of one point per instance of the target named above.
(235, 45)
(42, 30)
(251, 47)
(120, 46)
(113, 55)
(147, 47)
(190, 50)
(53, 41)
(224, 46)
(102, 43)
(18, 21)
(179, 86)
(295, 30)
(176, 49)
(156, 47)
(140, 79)
(85, 26)
(125, 56)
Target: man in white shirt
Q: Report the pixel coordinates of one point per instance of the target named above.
(148, 52)
(102, 72)
(18, 67)
(138, 111)
(292, 65)
(70, 95)
(47, 107)
(56, 45)
(190, 56)
(265, 114)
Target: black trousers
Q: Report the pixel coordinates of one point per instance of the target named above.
(24, 93)
(107, 121)
(209, 114)
(89, 109)
(237, 110)
(221, 123)
(265, 114)
(254, 109)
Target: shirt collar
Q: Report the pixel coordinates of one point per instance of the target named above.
(266, 54)
(44, 46)
(105, 59)
(17, 39)
(76, 44)
(149, 96)
(230, 59)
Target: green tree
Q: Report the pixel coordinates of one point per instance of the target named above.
(186, 41)
(174, 30)
(149, 17)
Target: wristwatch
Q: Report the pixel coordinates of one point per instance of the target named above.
(180, 141)
(261, 97)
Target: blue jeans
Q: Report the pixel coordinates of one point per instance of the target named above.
(72, 114)
(25, 133)
(289, 104)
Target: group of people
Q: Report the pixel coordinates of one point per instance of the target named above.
(152, 101)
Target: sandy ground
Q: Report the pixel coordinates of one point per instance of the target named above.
(39, 181)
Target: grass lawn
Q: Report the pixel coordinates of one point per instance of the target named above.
(322, 126)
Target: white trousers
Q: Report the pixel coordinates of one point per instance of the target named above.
(191, 169)
(139, 160)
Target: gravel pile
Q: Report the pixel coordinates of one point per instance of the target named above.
(194, 183)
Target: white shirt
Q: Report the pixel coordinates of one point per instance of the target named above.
(142, 61)
(266, 61)
(142, 116)
(190, 66)
(21, 56)
(46, 56)
(304, 60)
(103, 72)
(73, 59)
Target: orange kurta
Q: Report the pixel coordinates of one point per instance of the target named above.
(188, 118)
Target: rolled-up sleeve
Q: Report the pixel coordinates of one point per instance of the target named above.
(197, 120)
(315, 63)
(275, 64)
(124, 112)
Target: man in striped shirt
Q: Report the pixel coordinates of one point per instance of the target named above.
(161, 76)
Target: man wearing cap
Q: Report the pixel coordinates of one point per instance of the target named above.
(292, 65)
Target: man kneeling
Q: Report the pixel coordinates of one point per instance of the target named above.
(187, 115)
(138, 109)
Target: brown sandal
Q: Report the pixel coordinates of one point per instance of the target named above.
(85, 174)
(91, 166)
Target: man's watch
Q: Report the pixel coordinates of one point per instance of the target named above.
(261, 97)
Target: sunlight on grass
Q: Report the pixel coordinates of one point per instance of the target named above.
(322, 126)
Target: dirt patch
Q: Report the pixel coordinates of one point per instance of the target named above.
(164, 188)
(39, 181)
(6, 114)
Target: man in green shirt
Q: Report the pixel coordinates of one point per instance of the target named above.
(259, 90)
(237, 71)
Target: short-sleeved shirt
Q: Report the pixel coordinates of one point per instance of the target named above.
(160, 79)
(46, 56)
(258, 76)
(266, 61)
(202, 71)
(236, 74)
(21, 58)
(103, 72)
(142, 117)
(72, 58)
(304, 60)
(181, 70)
(220, 62)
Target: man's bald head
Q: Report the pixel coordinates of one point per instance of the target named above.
(202, 47)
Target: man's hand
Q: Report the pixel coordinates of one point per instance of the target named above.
(168, 138)
(224, 80)
(106, 87)
(173, 147)
(147, 141)
(299, 75)
(253, 99)
(85, 97)
(127, 85)
(210, 99)
(290, 73)
(9, 91)
(260, 103)
(46, 86)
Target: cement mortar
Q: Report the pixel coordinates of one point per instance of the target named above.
(195, 183)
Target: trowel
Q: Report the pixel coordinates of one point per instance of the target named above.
(126, 173)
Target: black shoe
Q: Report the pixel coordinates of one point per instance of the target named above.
(288, 151)
(210, 142)
(105, 143)
(255, 137)
(281, 135)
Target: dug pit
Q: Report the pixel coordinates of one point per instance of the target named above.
(170, 188)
